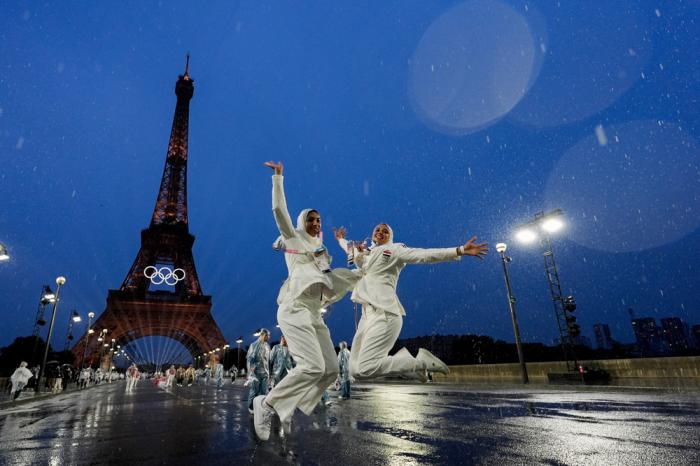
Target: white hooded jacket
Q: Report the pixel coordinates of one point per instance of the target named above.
(21, 375)
(307, 259)
(380, 268)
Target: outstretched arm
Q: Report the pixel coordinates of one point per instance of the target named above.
(279, 202)
(428, 256)
(357, 253)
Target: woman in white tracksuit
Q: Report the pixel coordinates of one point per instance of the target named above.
(382, 312)
(311, 286)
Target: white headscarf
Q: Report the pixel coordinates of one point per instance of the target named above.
(391, 234)
(315, 241)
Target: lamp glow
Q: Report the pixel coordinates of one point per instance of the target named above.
(525, 235)
(552, 225)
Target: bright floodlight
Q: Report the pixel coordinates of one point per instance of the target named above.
(91, 331)
(552, 225)
(226, 346)
(256, 334)
(76, 317)
(324, 310)
(105, 345)
(239, 340)
(3, 253)
(91, 314)
(60, 280)
(525, 235)
(48, 294)
(501, 247)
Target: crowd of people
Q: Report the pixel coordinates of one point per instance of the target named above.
(58, 378)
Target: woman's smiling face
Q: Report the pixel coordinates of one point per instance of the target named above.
(381, 234)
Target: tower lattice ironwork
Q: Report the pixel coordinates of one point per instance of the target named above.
(138, 308)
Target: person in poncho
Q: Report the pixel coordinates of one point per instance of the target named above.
(19, 379)
(257, 360)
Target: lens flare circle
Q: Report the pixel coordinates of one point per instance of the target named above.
(472, 66)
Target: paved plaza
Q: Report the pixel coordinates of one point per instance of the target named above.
(383, 424)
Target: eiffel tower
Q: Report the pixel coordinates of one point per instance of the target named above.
(164, 305)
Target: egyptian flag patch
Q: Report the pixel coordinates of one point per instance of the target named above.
(386, 254)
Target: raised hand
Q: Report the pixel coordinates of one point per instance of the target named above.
(339, 232)
(477, 250)
(277, 167)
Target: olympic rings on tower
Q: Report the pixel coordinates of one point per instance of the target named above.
(163, 275)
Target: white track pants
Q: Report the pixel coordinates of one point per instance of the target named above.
(130, 384)
(311, 347)
(376, 334)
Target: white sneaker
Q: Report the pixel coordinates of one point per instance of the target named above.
(262, 416)
(432, 362)
(286, 427)
(340, 397)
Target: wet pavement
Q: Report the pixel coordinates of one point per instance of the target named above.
(383, 424)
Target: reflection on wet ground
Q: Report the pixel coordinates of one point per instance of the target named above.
(386, 423)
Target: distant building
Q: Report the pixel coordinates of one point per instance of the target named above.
(648, 336)
(603, 338)
(676, 335)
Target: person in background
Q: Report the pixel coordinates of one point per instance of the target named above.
(281, 361)
(218, 372)
(344, 374)
(189, 375)
(258, 362)
(19, 379)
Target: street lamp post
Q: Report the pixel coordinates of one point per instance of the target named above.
(74, 318)
(103, 344)
(47, 296)
(111, 359)
(545, 224)
(501, 248)
(239, 340)
(89, 332)
(60, 281)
